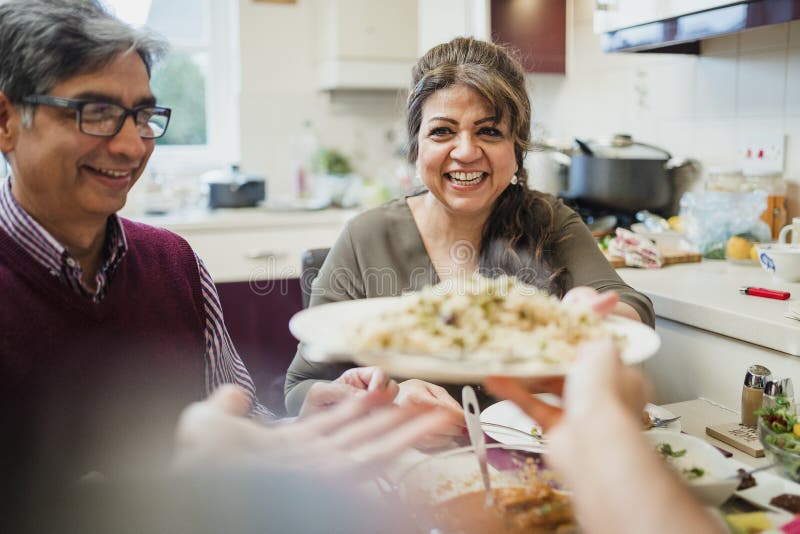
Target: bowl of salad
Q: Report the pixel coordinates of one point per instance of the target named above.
(779, 432)
(710, 476)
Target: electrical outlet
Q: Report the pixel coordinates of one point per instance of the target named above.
(762, 153)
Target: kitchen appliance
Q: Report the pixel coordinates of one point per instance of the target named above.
(233, 189)
(622, 176)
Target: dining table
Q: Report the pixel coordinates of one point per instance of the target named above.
(695, 416)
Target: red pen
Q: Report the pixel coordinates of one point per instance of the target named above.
(766, 293)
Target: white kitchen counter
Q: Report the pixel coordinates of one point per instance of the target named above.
(254, 244)
(706, 295)
(711, 333)
(244, 218)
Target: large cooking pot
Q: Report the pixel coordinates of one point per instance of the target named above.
(625, 175)
(233, 189)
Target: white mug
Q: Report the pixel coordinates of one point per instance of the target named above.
(794, 228)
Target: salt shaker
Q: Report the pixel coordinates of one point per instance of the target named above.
(755, 379)
(775, 387)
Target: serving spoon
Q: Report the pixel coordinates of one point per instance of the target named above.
(472, 415)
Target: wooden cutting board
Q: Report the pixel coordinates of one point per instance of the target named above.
(671, 256)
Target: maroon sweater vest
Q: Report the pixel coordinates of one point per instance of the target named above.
(97, 387)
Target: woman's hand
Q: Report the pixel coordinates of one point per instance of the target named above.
(603, 304)
(420, 393)
(353, 382)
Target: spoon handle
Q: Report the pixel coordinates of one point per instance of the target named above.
(472, 416)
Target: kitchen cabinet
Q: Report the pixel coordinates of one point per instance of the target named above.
(613, 15)
(443, 20)
(678, 26)
(537, 28)
(366, 44)
(254, 258)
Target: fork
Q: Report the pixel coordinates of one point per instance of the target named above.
(659, 422)
(539, 439)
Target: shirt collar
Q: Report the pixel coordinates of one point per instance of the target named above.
(43, 247)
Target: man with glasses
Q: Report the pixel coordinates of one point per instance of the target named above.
(103, 320)
(109, 328)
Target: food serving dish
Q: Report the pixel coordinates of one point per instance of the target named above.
(782, 448)
(711, 477)
(445, 492)
(508, 414)
(327, 332)
(769, 486)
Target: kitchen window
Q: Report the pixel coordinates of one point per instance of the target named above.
(198, 78)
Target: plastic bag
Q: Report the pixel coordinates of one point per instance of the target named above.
(710, 218)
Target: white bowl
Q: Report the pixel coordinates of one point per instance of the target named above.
(715, 486)
(782, 260)
(455, 473)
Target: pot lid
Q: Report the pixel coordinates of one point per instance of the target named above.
(623, 146)
(231, 175)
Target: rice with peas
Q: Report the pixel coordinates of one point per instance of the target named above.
(499, 320)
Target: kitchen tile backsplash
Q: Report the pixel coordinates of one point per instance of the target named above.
(715, 86)
(793, 83)
(794, 34)
(764, 38)
(761, 84)
(727, 44)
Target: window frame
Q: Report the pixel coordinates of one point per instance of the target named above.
(222, 102)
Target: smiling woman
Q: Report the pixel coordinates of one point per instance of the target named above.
(469, 121)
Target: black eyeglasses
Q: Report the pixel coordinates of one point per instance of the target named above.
(104, 119)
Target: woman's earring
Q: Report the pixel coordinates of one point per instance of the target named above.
(514, 180)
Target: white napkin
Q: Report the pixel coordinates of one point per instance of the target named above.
(793, 311)
(638, 251)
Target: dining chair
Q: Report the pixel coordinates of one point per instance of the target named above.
(311, 261)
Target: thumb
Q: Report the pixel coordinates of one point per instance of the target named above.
(323, 395)
(230, 399)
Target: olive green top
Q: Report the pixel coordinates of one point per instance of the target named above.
(380, 254)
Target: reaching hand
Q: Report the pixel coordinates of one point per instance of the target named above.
(420, 393)
(601, 303)
(596, 443)
(355, 437)
(353, 382)
(597, 375)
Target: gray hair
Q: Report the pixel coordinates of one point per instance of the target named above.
(45, 42)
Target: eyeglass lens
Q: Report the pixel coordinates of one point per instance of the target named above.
(98, 118)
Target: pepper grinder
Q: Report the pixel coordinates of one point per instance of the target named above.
(775, 387)
(755, 379)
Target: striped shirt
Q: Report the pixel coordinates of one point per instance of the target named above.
(222, 362)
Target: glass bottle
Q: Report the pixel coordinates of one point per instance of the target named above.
(775, 187)
(304, 148)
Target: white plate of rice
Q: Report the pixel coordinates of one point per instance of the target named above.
(491, 327)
